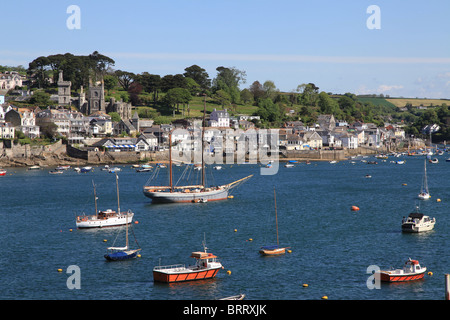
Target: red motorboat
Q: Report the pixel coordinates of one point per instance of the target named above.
(411, 271)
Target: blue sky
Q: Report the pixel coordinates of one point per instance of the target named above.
(288, 41)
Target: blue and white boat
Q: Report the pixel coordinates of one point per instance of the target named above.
(121, 253)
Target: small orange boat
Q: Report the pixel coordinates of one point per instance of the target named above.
(411, 271)
(207, 266)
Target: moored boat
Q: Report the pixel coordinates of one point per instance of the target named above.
(34, 168)
(417, 222)
(198, 193)
(273, 250)
(66, 167)
(424, 193)
(206, 267)
(240, 296)
(107, 218)
(86, 169)
(2, 172)
(411, 271)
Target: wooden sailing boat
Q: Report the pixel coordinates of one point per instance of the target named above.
(424, 193)
(273, 249)
(190, 193)
(121, 253)
(105, 218)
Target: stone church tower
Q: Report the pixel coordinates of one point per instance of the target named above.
(96, 98)
(64, 91)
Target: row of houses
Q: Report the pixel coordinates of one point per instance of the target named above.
(294, 135)
(74, 125)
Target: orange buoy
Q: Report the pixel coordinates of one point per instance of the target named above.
(355, 208)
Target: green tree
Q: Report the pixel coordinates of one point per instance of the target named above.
(257, 90)
(309, 94)
(269, 111)
(199, 75)
(41, 98)
(326, 104)
(110, 82)
(246, 96)
(115, 117)
(269, 89)
(229, 79)
(222, 97)
(124, 78)
(175, 96)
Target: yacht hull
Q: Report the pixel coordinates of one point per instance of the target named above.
(185, 197)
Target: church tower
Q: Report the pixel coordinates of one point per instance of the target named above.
(63, 91)
(96, 98)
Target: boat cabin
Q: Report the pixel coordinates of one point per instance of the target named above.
(203, 258)
(412, 266)
(416, 217)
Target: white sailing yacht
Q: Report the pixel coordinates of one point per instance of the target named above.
(424, 193)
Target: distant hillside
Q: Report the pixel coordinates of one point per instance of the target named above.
(401, 102)
(377, 101)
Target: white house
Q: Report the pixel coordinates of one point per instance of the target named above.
(9, 80)
(349, 140)
(219, 119)
(7, 130)
(24, 120)
(58, 117)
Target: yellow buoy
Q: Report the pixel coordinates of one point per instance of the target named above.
(230, 197)
(430, 273)
(228, 272)
(250, 239)
(60, 270)
(305, 285)
(138, 255)
(404, 184)
(438, 200)
(104, 240)
(289, 251)
(325, 298)
(235, 230)
(70, 230)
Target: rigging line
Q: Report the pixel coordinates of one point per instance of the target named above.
(135, 239)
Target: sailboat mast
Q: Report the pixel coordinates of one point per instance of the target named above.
(276, 217)
(203, 136)
(95, 199)
(117, 187)
(170, 162)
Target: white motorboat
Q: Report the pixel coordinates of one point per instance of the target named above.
(417, 222)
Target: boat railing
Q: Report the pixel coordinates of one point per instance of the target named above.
(173, 266)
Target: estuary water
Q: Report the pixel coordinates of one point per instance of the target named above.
(331, 246)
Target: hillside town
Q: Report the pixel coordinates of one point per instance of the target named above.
(90, 134)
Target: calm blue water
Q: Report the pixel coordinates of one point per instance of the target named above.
(331, 246)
